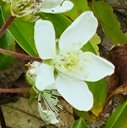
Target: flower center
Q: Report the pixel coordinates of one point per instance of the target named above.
(67, 63)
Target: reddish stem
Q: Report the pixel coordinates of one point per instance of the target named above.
(19, 55)
(14, 90)
(6, 25)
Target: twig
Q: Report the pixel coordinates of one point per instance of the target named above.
(20, 55)
(6, 25)
(14, 90)
(119, 6)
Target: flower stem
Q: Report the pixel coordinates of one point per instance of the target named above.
(6, 25)
(20, 55)
(14, 90)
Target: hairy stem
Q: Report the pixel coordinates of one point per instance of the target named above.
(20, 55)
(6, 25)
(14, 90)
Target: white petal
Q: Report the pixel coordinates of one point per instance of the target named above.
(44, 37)
(93, 67)
(78, 33)
(64, 7)
(75, 92)
(51, 3)
(51, 87)
(45, 77)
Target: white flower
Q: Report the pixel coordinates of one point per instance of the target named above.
(22, 8)
(56, 6)
(67, 69)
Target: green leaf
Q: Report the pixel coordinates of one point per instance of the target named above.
(79, 7)
(82, 114)
(6, 42)
(23, 33)
(99, 90)
(119, 118)
(92, 45)
(80, 124)
(108, 21)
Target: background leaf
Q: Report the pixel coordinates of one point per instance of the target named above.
(79, 7)
(119, 118)
(23, 33)
(6, 42)
(80, 124)
(99, 90)
(82, 114)
(92, 45)
(108, 21)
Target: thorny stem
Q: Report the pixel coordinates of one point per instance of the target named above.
(14, 90)
(6, 25)
(20, 55)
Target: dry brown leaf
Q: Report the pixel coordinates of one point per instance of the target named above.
(21, 115)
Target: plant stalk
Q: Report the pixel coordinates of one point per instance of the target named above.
(6, 25)
(20, 55)
(14, 90)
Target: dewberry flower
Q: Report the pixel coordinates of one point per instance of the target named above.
(29, 8)
(56, 6)
(67, 68)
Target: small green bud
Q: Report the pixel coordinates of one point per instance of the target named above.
(30, 79)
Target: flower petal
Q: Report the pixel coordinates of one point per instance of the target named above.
(78, 33)
(61, 8)
(51, 3)
(44, 37)
(45, 77)
(93, 67)
(75, 92)
(52, 87)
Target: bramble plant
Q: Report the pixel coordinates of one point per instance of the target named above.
(61, 41)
